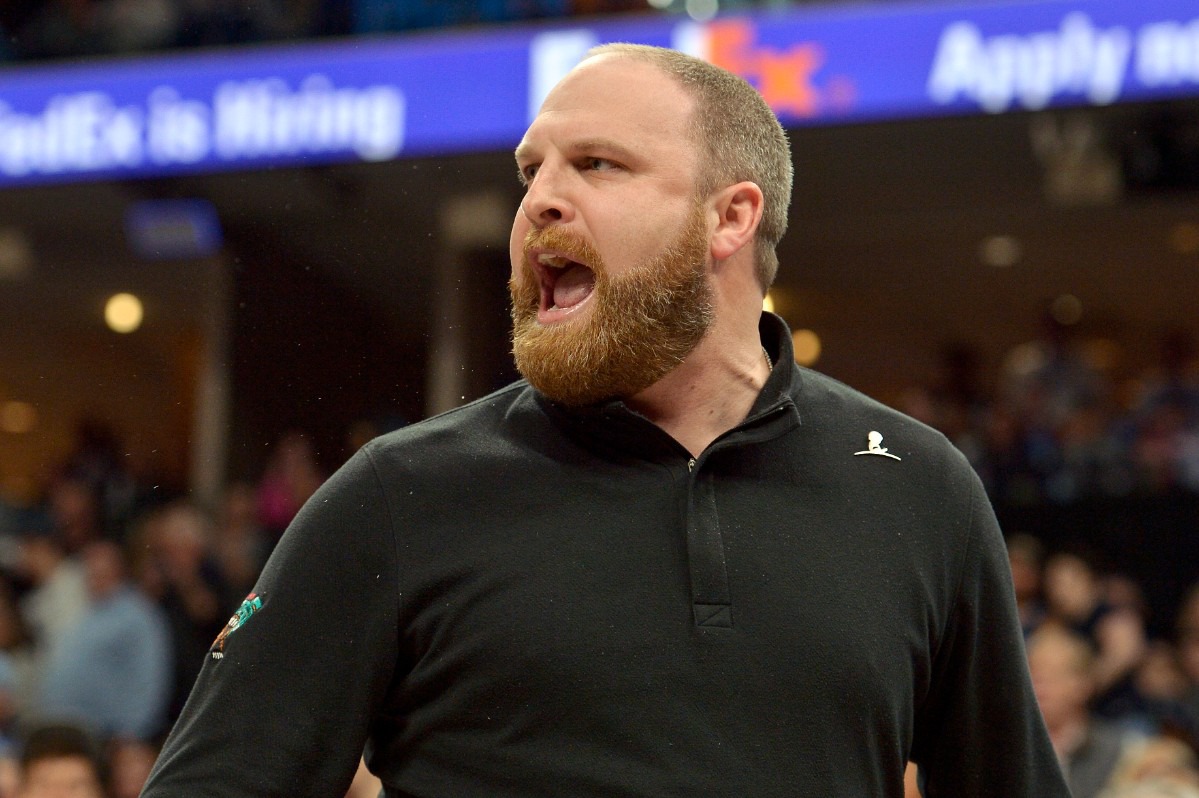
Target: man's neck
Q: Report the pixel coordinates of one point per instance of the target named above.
(711, 392)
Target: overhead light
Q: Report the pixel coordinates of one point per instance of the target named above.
(806, 344)
(1000, 251)
(123, 313)
(17, 417)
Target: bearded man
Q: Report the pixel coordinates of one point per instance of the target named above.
(666, 563)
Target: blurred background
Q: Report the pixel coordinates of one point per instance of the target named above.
(237, 240)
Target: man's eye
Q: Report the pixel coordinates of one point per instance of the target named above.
(527, 173)
(599, 164)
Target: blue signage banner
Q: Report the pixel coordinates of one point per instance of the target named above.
(378, 99)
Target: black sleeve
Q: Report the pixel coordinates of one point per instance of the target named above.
(980, 731)
(285, 709)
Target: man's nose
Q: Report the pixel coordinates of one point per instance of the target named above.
(547, 199)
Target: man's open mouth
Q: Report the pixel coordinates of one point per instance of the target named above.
(565, 283)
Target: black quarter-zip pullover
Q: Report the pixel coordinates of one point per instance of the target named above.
(521, 599)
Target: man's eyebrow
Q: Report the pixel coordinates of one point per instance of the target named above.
(524, 150)
(602, 145)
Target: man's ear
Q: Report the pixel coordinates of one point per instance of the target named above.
(738, 214)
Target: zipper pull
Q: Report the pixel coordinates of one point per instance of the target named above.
(691, 465)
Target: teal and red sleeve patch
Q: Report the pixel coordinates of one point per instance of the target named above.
(251, 605)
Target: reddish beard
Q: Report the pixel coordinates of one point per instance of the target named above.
(642, 323)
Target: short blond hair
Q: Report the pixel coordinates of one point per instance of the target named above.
(740, 136)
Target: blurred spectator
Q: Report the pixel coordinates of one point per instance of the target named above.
(1159, 763)
(124, 26)
(372, 16)
(113, 672)
(75, 512)
(241, 545)
(1088, 748)
(61, 760)
(74, 28)
(219, 22)
(1002, 460)
(57, 598)
(195, 597)
(1089, 460)
(10, 774)
(955, 401)
(596, 7)
(292, 475)
(1025, 555)
(16, 652)
(1047, 380)
(8, 715)
(1167, 420)
(1152, 789)
(98, 462)
(15, 680)
(1121, 591)
(1175, 380)
(1158, 454)
(129, 763)
(1074, 598)
(1052, 432)
(1161, 674)
(1161, 686)
(1188, 651)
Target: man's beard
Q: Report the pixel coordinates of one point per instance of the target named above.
(643, 323)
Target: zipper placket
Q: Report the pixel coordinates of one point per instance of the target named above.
(711, 599)
(711, 603)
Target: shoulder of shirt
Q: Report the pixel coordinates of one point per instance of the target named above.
(472, 421)
(829, 406)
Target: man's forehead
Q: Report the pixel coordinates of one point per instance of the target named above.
(621, 77)
(609, 97)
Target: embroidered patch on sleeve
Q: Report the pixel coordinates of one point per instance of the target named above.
(251, 605)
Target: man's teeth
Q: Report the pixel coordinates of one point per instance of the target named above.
(557, 261)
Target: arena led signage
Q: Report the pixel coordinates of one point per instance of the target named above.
(377, 99)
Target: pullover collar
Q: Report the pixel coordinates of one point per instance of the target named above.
(617, 430)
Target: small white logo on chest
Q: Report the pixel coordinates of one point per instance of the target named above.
(874, 442)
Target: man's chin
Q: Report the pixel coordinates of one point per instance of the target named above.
(578, 382)
(573, 399)
(577, 392)
(559, 369)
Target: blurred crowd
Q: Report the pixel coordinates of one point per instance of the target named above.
(110, 599)
(47, 29)
(1122, 709)
(1066, 422)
